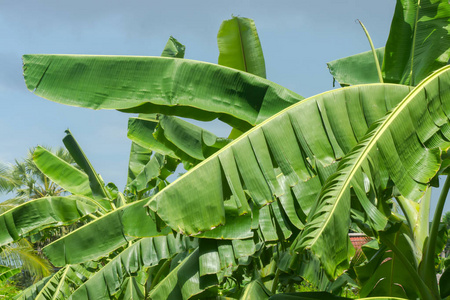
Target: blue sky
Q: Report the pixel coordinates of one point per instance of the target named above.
(298, 38)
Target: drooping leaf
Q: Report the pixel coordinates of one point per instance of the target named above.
(146, 252)
(239, 46)
(419, 34)
(139, 85)
(103, 235)
(61, 172)
(356, 69)
(58, 286)
(411, 154)
(96, 184)
(43, 213)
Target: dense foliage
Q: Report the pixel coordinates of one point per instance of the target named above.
(268, 209)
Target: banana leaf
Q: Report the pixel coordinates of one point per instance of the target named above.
(97, 185)
(255, 290)
(146, 252)
(239, 46)
(58, 286)
(408, 140)
(176, 138)
(385, 275)
(43, 213)
(103, 235)
(62, 173)
(419, 36)
(6, 272)
(184, 281)
(195, 90)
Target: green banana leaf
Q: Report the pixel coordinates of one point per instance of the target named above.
(139, 158)
(255, 290)
(184, 281)
(139, 85)
(103, 235)
(408, 140)
(6, 272)
(43, 213)
(239, 46)
(420, 36)
(356, 69)
(62, 173)
(384, 274)
(58, 286)
(96, 184)
(156, 170)
(176, 138)
(32, 291)
(417, 216)
(146, 252)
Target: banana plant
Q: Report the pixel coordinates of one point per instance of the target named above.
(282, 180)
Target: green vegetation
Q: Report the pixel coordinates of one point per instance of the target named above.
(264, 213)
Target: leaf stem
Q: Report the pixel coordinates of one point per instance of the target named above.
(275, 281)
(429, 274)
(411, 80)
(375, 56)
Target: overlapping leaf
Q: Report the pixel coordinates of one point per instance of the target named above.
(408, 140)
(43, 213)
(140, 84)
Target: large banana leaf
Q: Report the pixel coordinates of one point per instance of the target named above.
(103, 235)
(157, 84)
(43, 213)
(146, 252)
(409, 142)
(420, 36)
(239, 46)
